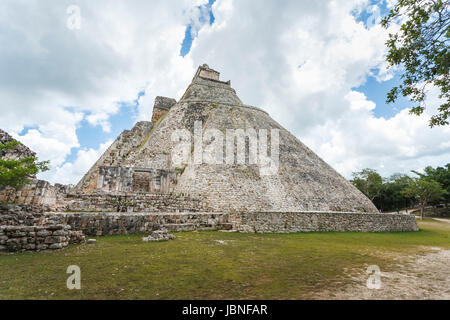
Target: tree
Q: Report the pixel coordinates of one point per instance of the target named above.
(369, 182)
(16, 173)
(392, 197)
(424, 190)
(421, 47)
(441, 175)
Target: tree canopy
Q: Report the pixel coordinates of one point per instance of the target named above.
(369, 182)
(389, 193)
(421, 47)
(16, 173)
(424, 191)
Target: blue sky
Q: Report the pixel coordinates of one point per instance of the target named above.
(102, 68)
(91, 136)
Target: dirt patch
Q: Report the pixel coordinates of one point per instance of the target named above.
(424, 276)
(442, 220)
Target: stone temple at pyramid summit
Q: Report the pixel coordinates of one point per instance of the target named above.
(209, 162)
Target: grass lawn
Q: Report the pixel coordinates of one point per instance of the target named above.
(212, 265)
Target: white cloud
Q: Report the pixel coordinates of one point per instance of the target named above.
(299, 60)
(70, 173)
(51, 75)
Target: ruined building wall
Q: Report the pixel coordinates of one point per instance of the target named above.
(134, 179)
(134, 202)
(114, 156)
(26, 227)
(162, 106)
(287, 222)
(101, 224)
(37, 192)
(20, 151)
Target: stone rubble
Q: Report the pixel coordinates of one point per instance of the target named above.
(159, 235)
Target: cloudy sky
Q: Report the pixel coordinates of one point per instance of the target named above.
(69, 86)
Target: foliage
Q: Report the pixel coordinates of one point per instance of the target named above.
(369, 182)
(421, 47)
(390, 195)
(424, 190)
(17, 172)
(441, 175)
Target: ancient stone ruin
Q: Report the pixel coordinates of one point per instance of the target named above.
(139, 184)
(159, 235)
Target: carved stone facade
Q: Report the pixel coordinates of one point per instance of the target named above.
(132, 179)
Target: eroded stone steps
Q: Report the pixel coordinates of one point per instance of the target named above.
(110, 223)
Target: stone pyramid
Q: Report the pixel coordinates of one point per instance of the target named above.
(289, 177)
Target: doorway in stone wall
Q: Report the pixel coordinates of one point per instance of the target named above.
(141, 181)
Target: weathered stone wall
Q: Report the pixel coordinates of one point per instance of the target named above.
(20, 151)
(287, 222)
(205, 71)
(22, 215)
(22, 238)
(26, 227)
(134, 202)
(100, 224)
(134, 179)
(37, 192)
(114, 156)
(201, 90)
(162, 106)
(158, 114)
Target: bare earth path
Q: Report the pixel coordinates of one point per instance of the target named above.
(442, 220)
(425, 276)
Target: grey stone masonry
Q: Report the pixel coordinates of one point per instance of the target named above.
(133, 179)
(162, 106)
(164, 103)
(287, 222)
(134, 202)
(21, 151)
(37, 192)
(114, 156)
(100, 224)
(26, 227)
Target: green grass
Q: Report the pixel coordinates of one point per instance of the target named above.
(197, 266)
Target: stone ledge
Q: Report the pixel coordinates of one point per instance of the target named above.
(289, 222)
(109, 223)
(226, 104)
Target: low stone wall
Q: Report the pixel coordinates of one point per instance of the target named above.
(27, 227)
(22, 215)
(134, 202)
(287, 222)
(38, 193)
(100, 224)
(21, 238)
